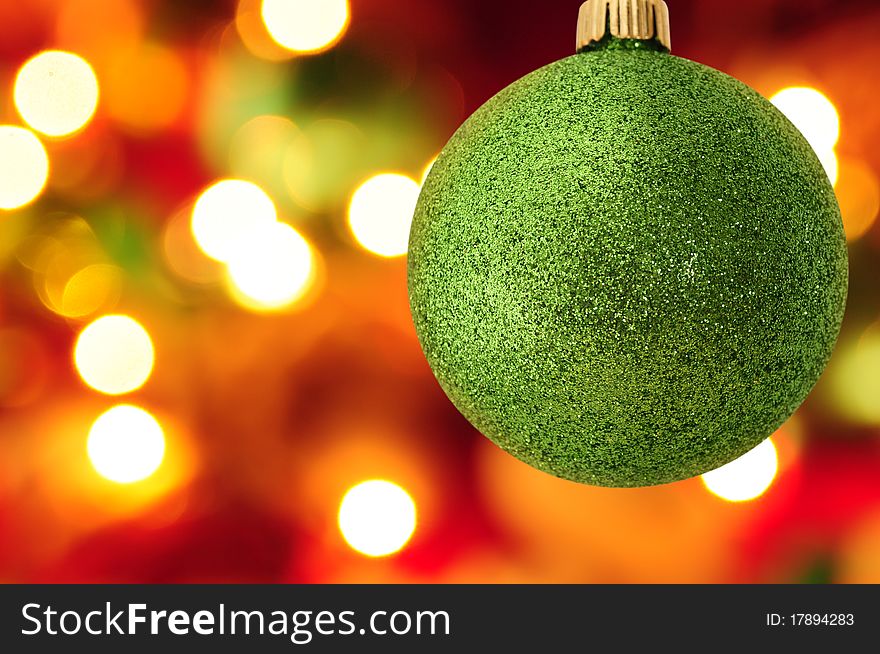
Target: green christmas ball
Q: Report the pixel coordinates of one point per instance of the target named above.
(627, 268)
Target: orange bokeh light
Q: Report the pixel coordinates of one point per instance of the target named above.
(148, 90)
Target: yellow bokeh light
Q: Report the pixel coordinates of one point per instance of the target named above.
(114, 355)
(855, 378)
(377, 518)
(24, 167)
(306, 26)
(71, 274)
(89, 290)
(56, 92)
(226, 213)
(812, 113)
(126, 444)
(272, 268)
(746, 478)
(381, 213)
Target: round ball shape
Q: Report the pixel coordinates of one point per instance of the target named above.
(627, 268)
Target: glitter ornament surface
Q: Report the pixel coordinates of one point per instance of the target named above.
(627, 268)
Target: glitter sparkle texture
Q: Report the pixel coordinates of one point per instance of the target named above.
(627, 268)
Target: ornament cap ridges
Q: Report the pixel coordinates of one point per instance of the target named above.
(626, 19)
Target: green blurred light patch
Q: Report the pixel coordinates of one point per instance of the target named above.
(239, 88)
(258, 151)
(324, 163)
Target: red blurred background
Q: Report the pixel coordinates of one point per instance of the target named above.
(271, 414)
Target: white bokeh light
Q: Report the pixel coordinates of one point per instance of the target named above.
(271, 268)
(56, 92)
(830, 164)
(226, 213)
(126, 444)
(381, 211)
(812, 113)
(114, 354)
(377, 518)
(746, 478)
(305, 26)
(24, 167)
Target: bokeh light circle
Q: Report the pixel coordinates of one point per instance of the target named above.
(89, 290)
(381, 213)
(226, 212)
(24, 167)
(854, 377)
(56, 92)
(272, 267)
(377, 518)
(126, 444)
(829, 161)
(812, 113)
(306, 26)
(746, 478)
(114, 355)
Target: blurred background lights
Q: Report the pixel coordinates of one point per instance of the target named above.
(306, 25)
(253, 33)
(147, 90)
(25, 367)
(746, 478)
(24, 167)
(271, 268)
(858, 193)
(377, 518)
(56, 92)
(72, 274)
(100, 31)
(323, 162)
(183, 254)
(126, 444)
(90, 289)
(381, 212)
(812, 113)
(114, 355)
(258, 148)
(226, 212)
(854, 375)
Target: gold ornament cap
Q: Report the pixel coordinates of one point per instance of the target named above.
(641, 20)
